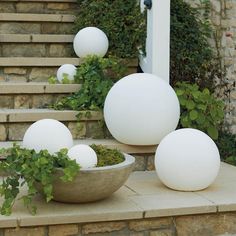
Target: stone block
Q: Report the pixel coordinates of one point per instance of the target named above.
(163, 232)
(63, 230)
(150, 163)
(34, 231)
(78, 129)
(26, 50)
(206, 225)
(42, 101)
(16, 78)
(56, 28)
(59, 50)
(19, 28)
(22, 101)
(7, 7)
(42, 74)
(28, 7)
(58, 6)
(103, 227)
(3, 133)
(141, 225)
(15, 70)
(140, 163)
(95, 130)
(6, 101)
(16, 131)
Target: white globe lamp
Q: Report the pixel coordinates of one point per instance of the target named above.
(141, 109)
(66, 71)
(84, 155)
(187, 160)
(47, 134)
(90, 41)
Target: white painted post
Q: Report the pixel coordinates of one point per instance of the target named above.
(157, 57)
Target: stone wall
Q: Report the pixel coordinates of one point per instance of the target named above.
(223, 19)
(205, 225)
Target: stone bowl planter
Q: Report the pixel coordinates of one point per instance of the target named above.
(92, 184)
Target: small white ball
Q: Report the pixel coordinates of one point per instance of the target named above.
(67, 70)
(47, 134)
(141, 109)
(84, 155)
(90, 41)
(187, 160)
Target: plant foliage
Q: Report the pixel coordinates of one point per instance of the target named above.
(121, 20)
(25, 167)
(97, 75)
(227, 146)
(199, 109)
(191, 56)
(106, 156)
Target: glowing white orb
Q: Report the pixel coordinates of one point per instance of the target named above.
(84, 155)
(187, 160)
(90, 41)
(47, 134)
(141, 109)
(66, 71)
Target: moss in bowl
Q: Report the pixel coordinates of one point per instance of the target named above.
(60, 178)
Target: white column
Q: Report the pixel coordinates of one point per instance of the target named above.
(157, 58)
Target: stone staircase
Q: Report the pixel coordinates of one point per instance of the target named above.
(35, 39)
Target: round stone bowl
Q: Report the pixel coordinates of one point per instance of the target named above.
(92, 184)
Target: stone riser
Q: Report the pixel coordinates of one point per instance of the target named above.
(82, 129)
(37, 50)
(36, 28)
(28, 101)
(48, 7)
(33, 73)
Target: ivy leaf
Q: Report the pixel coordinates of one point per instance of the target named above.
(193, 115)
(213, 132)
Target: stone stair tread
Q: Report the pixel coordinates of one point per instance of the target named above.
(37, 88)
(36, 38)
(28, 17)
(110, 143)
(37, 61)
(41, 1)
(32, 115)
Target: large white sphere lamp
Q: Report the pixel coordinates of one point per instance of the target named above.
(66, 70)
(187, 160)
(84, 155)
(141, 109)
(47, 134)
(90, 41)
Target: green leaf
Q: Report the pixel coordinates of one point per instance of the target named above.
(213, 132)
(193, 115)
(190, 105)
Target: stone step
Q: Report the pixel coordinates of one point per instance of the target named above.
(36, 38)
(25, 23)
(14, 122)
(25, 69)
(27, 17)
(144, 155)
(39, 6)
(33, 95)
(36, 45)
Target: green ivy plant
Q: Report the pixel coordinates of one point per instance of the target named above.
(199, 109)
(192, 58)
(227, 146)
(27, 167)
(24, 167)
(97, 75)
(121, 20)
